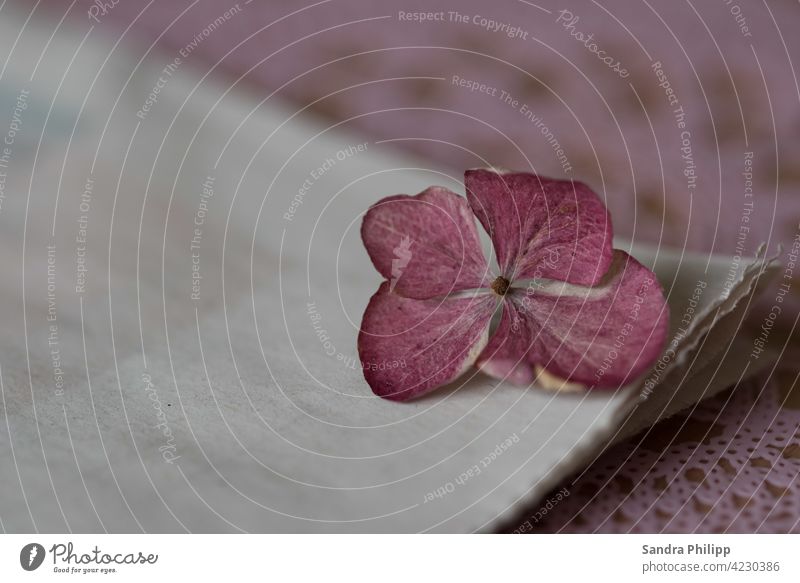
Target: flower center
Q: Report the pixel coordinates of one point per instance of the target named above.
(500, 286)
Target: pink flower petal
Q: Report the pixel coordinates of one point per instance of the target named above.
(409, 347)
(425, 245)
(604, 336)
(542, 228)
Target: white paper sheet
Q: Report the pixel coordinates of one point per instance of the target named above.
(128, 405)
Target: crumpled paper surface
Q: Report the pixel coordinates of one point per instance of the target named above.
(148, 398)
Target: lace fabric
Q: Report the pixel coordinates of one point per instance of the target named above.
(732, 464)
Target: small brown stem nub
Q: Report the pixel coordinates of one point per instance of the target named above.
(500, 286)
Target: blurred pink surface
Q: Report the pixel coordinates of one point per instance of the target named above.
(392, 79)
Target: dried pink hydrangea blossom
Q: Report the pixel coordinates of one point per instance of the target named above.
(572, 306)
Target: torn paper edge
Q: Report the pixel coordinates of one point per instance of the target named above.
(601, 435)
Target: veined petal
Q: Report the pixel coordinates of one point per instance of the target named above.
(409, 347)
(602, 336)
(542, 228)
(425, 245)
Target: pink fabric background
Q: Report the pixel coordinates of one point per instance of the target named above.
(730, 465)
